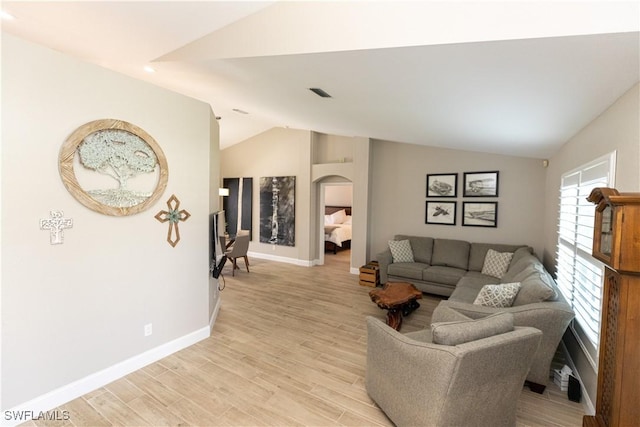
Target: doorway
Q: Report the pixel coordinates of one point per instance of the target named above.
(336, 203)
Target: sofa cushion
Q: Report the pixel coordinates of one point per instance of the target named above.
(443, 275)
(401, 250)
(460, 332)
(469, 286)
(478, 252)
(477, 275)
(535, 286)
(518, 265)
(410, 270)
(498, 296)
(422, 335)
(496, 263)
(422, 247)
(450, 253)
(521, 252)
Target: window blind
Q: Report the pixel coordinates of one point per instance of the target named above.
(579, 275)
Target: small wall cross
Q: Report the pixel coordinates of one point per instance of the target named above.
(173, 215)
(56, 225)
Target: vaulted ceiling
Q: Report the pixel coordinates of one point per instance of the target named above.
(516, 78)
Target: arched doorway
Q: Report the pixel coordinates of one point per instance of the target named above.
(336, 204)
(334, 194)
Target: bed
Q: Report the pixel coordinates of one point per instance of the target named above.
(337, 227)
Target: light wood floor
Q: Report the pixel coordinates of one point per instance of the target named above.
(288, 349)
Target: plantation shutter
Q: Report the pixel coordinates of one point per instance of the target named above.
(579, 275)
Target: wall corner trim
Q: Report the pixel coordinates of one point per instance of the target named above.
(66, 393)
(214, 315)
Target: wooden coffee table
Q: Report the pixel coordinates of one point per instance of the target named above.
(399, 298)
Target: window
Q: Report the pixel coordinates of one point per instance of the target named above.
(579, 275)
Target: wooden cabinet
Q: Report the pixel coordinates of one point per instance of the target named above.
(616, 233)
(617, 243)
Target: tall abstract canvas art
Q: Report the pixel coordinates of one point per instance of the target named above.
(237, 205)
(277, 210)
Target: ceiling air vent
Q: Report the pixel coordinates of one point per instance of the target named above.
(319, 92)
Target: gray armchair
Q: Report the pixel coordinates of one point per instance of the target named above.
(473, 379)
(550, 317)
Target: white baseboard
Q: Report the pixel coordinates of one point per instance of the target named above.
(276, 258)
(78, 388)
(586, 399)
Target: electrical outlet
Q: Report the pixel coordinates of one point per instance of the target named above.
(273, 248)
(148, 329)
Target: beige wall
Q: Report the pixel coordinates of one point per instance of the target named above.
(215, 182)
(277, 152)
(338, 195)
(281, 152)
(617, 128)
(398, 189)
(389, 179)
(71, 311)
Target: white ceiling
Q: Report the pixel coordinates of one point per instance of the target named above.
(516, 78)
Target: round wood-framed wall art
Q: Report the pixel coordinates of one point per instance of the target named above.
(102, 152)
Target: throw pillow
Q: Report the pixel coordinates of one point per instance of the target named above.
(496, 263)
(339, 216)
(497, 296)
(460, 332)
(328, 220)
(401, 250)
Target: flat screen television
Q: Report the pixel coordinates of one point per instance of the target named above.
(216, 251)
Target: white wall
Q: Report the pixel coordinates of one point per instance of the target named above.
(71, 310)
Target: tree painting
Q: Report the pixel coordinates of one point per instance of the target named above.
(122, 156)
(277, 210)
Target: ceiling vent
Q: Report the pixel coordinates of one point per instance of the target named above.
(319, 92)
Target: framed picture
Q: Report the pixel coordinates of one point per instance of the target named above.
(101, 151)
(277, 210)
(440, 213)
(480, 214)
(481, 184)
(442, 185)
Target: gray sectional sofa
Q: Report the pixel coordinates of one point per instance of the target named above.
(453, 268)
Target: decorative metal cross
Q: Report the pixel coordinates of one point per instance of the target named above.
(173, 215)
(56, 225)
